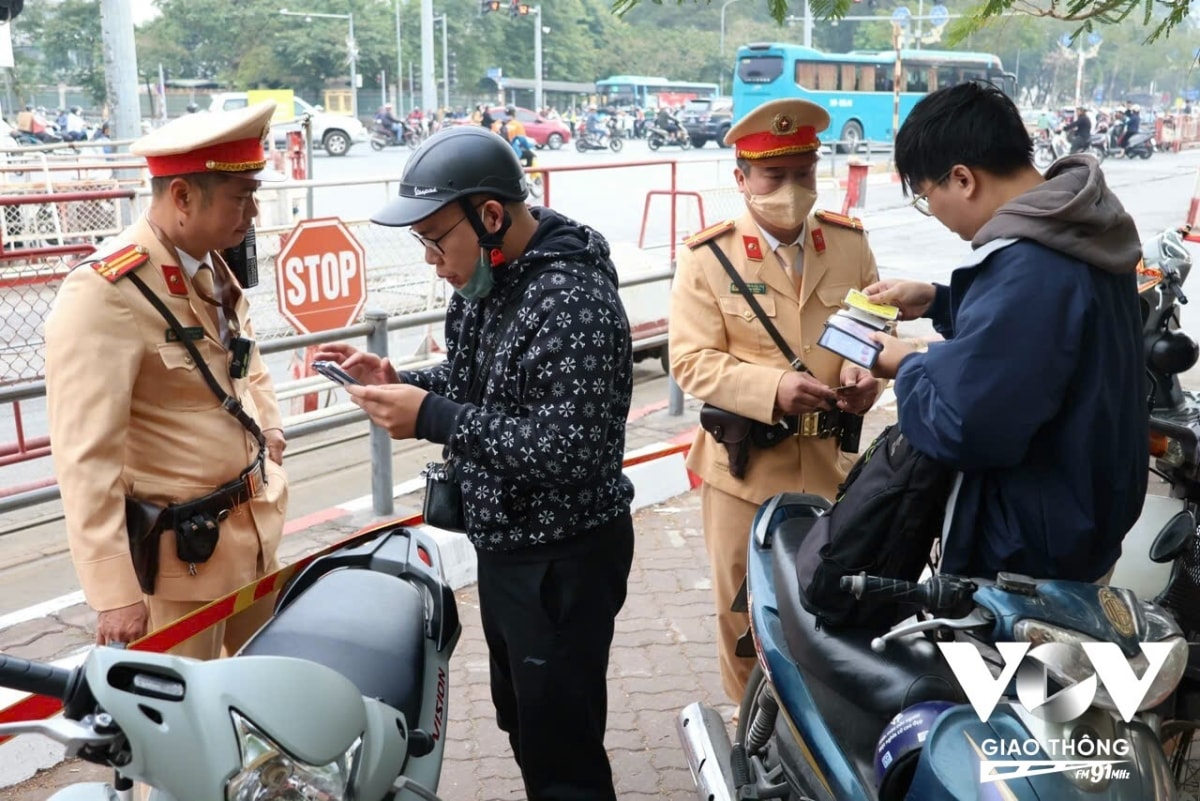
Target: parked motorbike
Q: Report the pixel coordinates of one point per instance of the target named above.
(591, 141)
(1047, 151)
(383, 136)
(341, 696)
(659, 137)
(1140, 145)
(843, 714)
(1161, 554)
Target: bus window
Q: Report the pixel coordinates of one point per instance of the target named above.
(946, 75)
(825, 77)
(917, 79)
(849, 81)
(866, 77)
(883, 79)
(760, 69)
(806, 74)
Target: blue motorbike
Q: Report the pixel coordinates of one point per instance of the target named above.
(852, 716)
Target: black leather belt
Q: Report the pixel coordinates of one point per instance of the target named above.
(221, 502)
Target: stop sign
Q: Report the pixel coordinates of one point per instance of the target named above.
(321, 276)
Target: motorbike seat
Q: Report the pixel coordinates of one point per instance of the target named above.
(858, 690)
(368, 626)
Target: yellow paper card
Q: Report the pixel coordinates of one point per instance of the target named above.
(857, 300)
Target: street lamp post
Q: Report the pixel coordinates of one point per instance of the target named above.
(721, 73)
(351, 46)
(538, 92)
(399, 65)
(445, 62)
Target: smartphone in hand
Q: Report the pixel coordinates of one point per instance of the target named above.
(334, 372)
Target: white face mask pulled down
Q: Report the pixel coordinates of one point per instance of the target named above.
(786, 208)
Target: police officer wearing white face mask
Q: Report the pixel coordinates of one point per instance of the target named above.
(799, 266)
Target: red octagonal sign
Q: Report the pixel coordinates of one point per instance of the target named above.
(321, 276)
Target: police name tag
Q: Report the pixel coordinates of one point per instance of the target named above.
(191, 332)
(755, 289)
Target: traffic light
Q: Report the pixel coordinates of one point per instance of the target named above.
(453, 66)
(489, 5)
(518, 9)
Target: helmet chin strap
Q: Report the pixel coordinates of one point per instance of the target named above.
(491, 241)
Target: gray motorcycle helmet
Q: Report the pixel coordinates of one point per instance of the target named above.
(452, 165)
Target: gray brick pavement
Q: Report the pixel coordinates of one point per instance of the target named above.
(651, 674)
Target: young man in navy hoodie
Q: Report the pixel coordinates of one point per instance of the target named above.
(1038, 396)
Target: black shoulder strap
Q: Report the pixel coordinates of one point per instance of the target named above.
(228, 403)
(780, 343)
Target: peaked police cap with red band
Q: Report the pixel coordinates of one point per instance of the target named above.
(214, 141)
(779, 128)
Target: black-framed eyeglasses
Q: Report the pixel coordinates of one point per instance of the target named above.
(434, 244)
(921, 201)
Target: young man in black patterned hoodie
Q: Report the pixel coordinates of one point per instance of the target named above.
(539, 443)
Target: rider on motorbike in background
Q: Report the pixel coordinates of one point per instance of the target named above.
(385, 119)
(594, 126)
(513, 130)
(667, 120)
(1080, 131)
(1133, 121)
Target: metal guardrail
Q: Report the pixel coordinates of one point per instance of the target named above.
(376, 327)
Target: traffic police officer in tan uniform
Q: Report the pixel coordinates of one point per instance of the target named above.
(130, 413)
(799, 266)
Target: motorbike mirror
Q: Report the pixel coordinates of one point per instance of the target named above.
(1173, 352)
(1173, 538)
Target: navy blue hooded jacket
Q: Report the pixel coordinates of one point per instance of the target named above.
(1038, 396)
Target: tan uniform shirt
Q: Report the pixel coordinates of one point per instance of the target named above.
(722, 354)
(131, 415)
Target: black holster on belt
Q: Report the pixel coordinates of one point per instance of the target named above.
(144, 523)
(196, 523)
(739, 434)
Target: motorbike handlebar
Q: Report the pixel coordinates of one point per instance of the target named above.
(38, 678)
(941, 595)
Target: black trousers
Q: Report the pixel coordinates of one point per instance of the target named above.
(548, 613)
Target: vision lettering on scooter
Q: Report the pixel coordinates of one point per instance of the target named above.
(439, 706)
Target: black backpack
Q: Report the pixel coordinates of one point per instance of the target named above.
(888, 513)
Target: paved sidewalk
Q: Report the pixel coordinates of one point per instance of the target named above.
(663, 656)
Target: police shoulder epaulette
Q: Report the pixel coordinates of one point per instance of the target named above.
(711, 232)
(121, 262)
(840, 220)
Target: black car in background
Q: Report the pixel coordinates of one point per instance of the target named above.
(707, 119)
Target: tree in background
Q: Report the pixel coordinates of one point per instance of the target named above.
(1160, 17)
(248, 45)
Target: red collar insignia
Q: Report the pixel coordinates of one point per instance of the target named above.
(174, 278)
(818, 237)
(753, 248)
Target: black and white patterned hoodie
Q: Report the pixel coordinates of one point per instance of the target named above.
(540, 459)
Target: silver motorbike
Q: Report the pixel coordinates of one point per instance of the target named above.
(341, 696)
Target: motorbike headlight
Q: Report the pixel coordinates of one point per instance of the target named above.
(1075, 666)
(270, 774)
